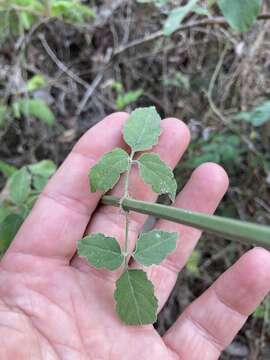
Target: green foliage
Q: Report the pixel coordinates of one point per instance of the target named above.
(128, 98)
(4, 212)
(17, 16)
(20, 186)
(71, 10)
(136, 303)
(124, 98)
(8, 229)
(225, 149)
(156, 173)
(177, 15)
(178, 80)
(192, 265)
(106, 173)
(35, 108)
(36, 82)
(240, 14)
(7, 169)
(201, 10)
(101, 251)
(20, 195)
(41, 172)
(134, 294)
(257, 116)
(142, 129)
(263, 311)
(154, 246)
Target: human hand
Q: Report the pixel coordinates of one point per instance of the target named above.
(54, 305)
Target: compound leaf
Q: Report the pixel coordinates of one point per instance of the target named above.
(136, 303)
(20, 186)
(156, 173)
(153, 246)
(106, 173)
(142, 129)
(240, 14)
(101, 251)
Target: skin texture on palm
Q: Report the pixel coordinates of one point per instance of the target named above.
(55, 306)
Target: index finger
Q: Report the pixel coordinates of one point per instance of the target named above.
(62, 212)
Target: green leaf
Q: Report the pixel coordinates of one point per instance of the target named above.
(41, 172)
(136, 303)
(126, 99)
(101, 251)
(176, 17)
(193, 263)
(20, 186)
(36, 82)
(7, 169)
(36, 108)
(240, 14)
(156, 173)
(8, 229)
(4, 212)
(71, 10)
(153, 247)
(16, 109)
(201, 10)
(26, 19)
(106, 173)
(257, 116)
(142, 129)
(39, 182)
(45, 168)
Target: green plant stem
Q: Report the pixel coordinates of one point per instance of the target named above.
(125, 197)
(246, 232)
(126, 243)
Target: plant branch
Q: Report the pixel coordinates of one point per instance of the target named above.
(246, 232)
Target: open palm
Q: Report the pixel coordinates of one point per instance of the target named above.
(55, 306)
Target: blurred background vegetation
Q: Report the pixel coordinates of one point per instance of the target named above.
(65, 64)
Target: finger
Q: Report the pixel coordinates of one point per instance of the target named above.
(210, 323)
(110, 220)
(202, 193)
(63, 210)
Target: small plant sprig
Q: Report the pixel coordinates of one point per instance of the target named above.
(136, 303)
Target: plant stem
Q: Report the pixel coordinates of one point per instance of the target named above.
(126, 243)
(246, 232)
(125, 197)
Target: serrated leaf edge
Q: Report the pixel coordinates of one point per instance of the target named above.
(153, 246)
(113, 252)
(137, 310)
(94, 189)
(171, 195)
